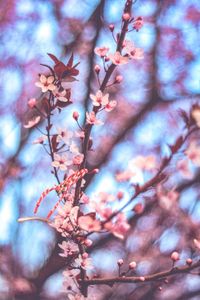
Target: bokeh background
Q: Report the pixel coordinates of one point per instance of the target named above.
(145, 122)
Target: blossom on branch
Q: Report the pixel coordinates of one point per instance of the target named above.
(61, 161)
(33, 122)
(46, 83)
(118, 59)
(101, 51)
(91, 119)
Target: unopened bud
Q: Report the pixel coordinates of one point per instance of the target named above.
(132, 265)
(88, 243)
(142, 278)
(97, 68)
(85, 255)
(175, 256)
(32, 102)
(126, 16)
(120, 195)
(120, 262)
(189, 261)
(160, 288)
(75, 115)
(138, 208)
(118, 78)
(111, 27)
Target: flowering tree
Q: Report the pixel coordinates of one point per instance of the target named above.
(144, 202)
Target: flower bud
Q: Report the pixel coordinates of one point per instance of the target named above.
(132, 265)
(88, 243)
(111, 27)
(138, 208)
(189, 261)
(32, 102)
(85, 255)
(126, 16)
(118, 78)
(175, 256)
(97, 69)
(142, 278)
(107, 59)
(120, 195)
(75, 115)
(120, 262)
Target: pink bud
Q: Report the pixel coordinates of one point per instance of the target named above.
(120, 262)
(111, 27)
(132, 265)
(189, 261)
(32, 102)
(160, 288)
(95, 171)
(142, 278)
(120, 195)
(97, 68)
(126, 16)
(88, 243)
(107, 59)
(85, 255)
(118, 78)
(175, 256)
(138, 208)
(75, 115)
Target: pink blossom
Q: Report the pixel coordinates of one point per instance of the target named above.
(91, 119)
(126, 16)
(120, 262)
(110, 106)
(64, 135)
(132, 51)
(193, 153)
(77, 160)
(120, 228)
(40, 140)
(167, 200)
(76, 297)
(32, 102)
(99, 99)
(124, 176)
(132, 265)
(144, 162)
(197, 243)
(75, 115)
(138, 23)
(196, 115)
(183, 168)
(89, 224)
(60, 95)
(175, 256)
(84, 262)
(33, 122)
(61, 161)
(118, 59)
(69, 248)
(101, 51)
(97, 68)
(46, 83)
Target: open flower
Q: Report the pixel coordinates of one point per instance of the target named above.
(46, 83)
(89, 224)
(99, 99)
(193, 153)
(118, 59)
(61, 162)
(91, 119)
(110, 106)
(69, 248)
(32, 122)
(101, 51)
(132, 51)
(84, 261)
(60, 95)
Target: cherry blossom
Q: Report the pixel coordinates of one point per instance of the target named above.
(196, 115)
(77, 160)
(110, 106)
(60, 95)
(132, 51)
(33, 122)
(89, 224)
(118, 59)
(183, 168)
(144, 162)
(40, 140)
(64, 135)
(193, 153)
(138, 23)
(69, 248)
(61, 161)
(101, 51)
(46, 83)
(99, 99)
(84, 262)
(91, 119)
(167, 199)
(32, 102)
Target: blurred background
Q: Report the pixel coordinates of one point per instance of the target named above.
(145, 122)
